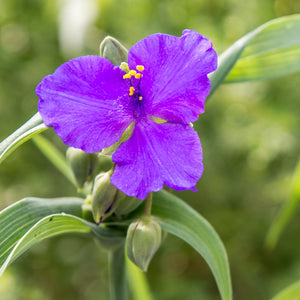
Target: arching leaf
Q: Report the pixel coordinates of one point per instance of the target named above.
(271, 50)
(179, 219)
(29, 129)
(291, 292)
(31, 220)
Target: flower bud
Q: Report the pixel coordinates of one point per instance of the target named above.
(105, 163)
(105, 197)
(127, 205)
(82, 164)
(142, 241)
(113, 50)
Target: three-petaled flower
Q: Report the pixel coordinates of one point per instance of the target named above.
(90, 103)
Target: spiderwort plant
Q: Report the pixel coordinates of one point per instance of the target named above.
(151, 100)
(140, 112)
(143, 110)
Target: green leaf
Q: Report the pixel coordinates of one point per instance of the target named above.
(179, 219)
(272, 49)
(292, 292)
(32, 127)
(286, 212)
(137, 281)
(54, 156)
(31, 220)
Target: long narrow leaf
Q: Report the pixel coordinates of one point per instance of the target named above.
(31, 220)
(138, 283)
(32, 127)
(47, 227)
(272, 49)
(273, 52)
(286, 212)
(292, 292)
(177, 218)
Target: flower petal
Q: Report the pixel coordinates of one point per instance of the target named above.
(82, 100)
(158, 154)
(174, 82)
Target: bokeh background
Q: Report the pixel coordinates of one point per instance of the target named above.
(249, 132)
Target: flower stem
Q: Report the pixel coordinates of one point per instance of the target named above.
(117, 275)
(148, 205)
(137, 282)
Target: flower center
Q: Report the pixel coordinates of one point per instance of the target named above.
(134, 76)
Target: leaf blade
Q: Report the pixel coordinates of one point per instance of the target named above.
(179, 219)
(138, 282)
(29, 129)
(286, 212)
(274, 51)
(292, 292)
(258, 44)
(31, 220)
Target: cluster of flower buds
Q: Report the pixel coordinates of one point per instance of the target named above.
(143, 236)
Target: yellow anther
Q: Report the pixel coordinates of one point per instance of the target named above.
(132, 72)
(140, 98)
(140, 68)
(127, 76)
(138, 75)
(131, 90)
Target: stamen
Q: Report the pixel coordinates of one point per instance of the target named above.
(126, 76)
(132, 72)
(140, 68)
(138, 75)
(131, 90)
(140, 98)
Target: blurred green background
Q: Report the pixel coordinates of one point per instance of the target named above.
(249, 132)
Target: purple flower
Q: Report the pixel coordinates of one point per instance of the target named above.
(90, 103)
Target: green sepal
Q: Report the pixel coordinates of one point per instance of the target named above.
(125, 136)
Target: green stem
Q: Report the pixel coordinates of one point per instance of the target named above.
(148, 205)
(117, 275)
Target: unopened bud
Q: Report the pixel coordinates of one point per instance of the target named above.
(113, 50)
(105, 197)
(82, 164)
(142, 241)
(105, 163)
(127, 205)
